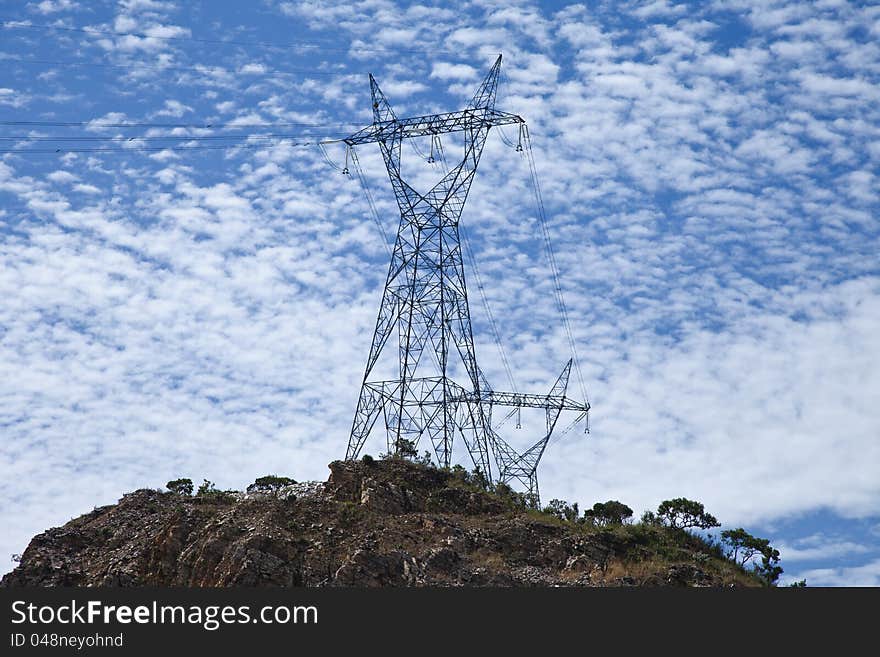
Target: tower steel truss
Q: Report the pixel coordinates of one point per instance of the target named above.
(425, 307)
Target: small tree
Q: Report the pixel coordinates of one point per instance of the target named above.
(180, 486)
(460, 473)
(769, 569)
(207, 488)
(608, 513)
(531, 501)
(479, 479)
(682, 513)
(510, 497)
(742, 546)
(209, 493)
(270, 484)
(563, 510)
(403, 448)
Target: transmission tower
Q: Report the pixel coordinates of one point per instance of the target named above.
(425, 305)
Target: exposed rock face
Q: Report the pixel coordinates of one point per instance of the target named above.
(384, 523)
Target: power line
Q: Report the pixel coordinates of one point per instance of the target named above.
(153, 149)
(24, 138)
(369, 197)
(97, 123)
(551, 256)
(493, 324)
(559, 435)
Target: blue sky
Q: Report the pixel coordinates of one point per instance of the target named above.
(711, 177)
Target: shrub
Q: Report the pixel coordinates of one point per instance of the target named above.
(209, 493)
(531, 500)
(742, 546)
(510, 497)
(562, 510)
(350, 513)
(460, 474)
(769, 569)
(682, 513)
(479, 479)
(180, 486)
(368, 460)
(269, 484)
(608, 513)
(405, 449)
(206, 488)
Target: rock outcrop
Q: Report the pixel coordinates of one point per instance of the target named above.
(375, 523)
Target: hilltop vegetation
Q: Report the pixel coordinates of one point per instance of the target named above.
(386, 522)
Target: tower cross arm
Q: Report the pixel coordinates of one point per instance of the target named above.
(522, 400)
(431, 124)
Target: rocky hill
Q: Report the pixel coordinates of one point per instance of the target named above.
(373, 523)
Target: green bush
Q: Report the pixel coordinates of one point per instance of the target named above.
(403, 449)
(208, 492)
(206, 488)
(479, 479)
(460, 474)
(350, 513)
(608, 513)
(562, 510)
(511, 498)
(180, 486)
(769, 569)
(682, 513)
(742, 546)
(269, 484)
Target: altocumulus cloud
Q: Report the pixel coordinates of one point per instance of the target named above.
(711, 176)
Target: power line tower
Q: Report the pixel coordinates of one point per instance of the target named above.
(425, 305)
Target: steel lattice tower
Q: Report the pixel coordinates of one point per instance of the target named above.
(425, 304)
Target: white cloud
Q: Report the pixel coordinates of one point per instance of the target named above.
(86, 189)
(865, 575)
(145, 5)
(52, 6)
(61, 176)
(252, 69)
(173, 108)
(712, 198)
(109, 118)
(447, 71)
(818, 546)
(401, 88)
(13, 98)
